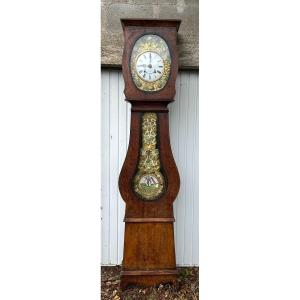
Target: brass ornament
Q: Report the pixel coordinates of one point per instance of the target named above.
(153, 43)
(149, 182)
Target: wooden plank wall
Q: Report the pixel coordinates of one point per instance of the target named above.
(115, 119)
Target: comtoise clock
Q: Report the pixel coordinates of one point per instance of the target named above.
(149, 180)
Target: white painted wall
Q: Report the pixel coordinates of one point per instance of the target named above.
(184, 140)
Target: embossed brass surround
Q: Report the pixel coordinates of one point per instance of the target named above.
(154, 43)
(149, 182)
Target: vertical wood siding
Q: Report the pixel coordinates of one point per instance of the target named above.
(184, 139)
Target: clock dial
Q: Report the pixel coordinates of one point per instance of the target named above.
(150, 63)
(149, 66)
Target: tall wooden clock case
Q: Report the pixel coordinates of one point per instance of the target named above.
(149, 180)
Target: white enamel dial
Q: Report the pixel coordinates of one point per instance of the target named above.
(149, 66)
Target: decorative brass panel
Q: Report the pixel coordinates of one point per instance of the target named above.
(149, 182)
(150, 43)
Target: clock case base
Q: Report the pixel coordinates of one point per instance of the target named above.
(149, 254)
(146, 280)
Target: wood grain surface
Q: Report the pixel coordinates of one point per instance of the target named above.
(149, 249)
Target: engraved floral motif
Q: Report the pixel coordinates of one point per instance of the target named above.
(153, 43)
(149, 182)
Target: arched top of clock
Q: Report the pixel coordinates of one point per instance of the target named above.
(151, 22)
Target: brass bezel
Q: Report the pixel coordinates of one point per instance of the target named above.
(141, 75)
(145, 193)
(153, 43)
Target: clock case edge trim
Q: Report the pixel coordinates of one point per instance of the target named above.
(126, 22)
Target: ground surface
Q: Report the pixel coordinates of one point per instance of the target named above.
(188, 286)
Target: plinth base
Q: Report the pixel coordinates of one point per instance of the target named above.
(147, 278)
(149, 254)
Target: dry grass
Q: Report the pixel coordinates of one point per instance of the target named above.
(187, 286)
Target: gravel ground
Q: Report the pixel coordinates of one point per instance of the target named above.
(187, 286)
